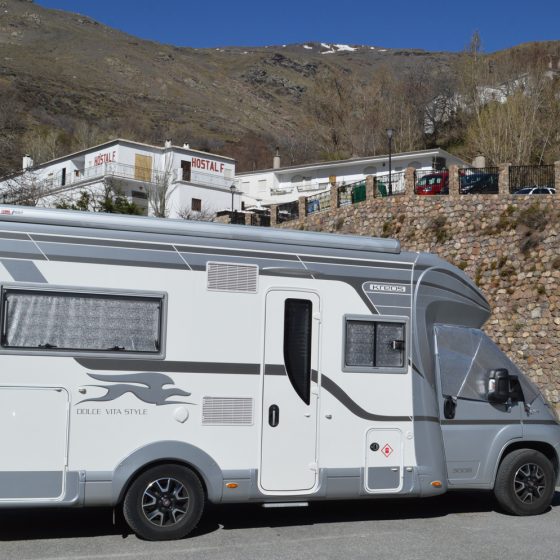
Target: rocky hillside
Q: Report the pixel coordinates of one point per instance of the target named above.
(68, 75)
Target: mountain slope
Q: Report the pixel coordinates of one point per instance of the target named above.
(65, 72)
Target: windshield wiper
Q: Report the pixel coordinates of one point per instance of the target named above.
(47, 345)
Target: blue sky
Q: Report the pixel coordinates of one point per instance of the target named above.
(425, 24)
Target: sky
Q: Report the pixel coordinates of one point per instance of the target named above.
(425, 24)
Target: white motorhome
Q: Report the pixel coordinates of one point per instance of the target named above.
(155, 364)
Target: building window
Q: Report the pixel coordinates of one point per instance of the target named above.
(185, 170)
(372, 345)
(196, 205)
(44, 320)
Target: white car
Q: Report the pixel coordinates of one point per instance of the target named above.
(536, 190)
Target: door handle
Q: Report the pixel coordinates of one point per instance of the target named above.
(273, 415)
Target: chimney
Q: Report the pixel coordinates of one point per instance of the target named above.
(168, 143)
(276, 160)
(27, 162)
(479, 161)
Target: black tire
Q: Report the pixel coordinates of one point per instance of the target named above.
(525, 482)
(164, 503)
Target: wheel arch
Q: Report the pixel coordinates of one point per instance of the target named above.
(168, 452)
(543, 447)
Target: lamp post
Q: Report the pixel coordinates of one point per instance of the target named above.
(233, 191)
(390, 132)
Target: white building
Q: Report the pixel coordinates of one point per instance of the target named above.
(191, 181)
(286, 184)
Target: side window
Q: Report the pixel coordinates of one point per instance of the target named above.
(371, 345)
(53, 320)
(297, 345)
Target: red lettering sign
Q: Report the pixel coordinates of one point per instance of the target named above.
(108, 157)
(206, 164)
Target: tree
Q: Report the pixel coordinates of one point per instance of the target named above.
(161, 188)
(23, 189)
(108, 199)
(204, 215)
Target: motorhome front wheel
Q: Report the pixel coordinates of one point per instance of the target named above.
(164, 503)
(525, 482)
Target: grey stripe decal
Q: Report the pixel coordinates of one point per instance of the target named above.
(478, 303)
(14, 235)
(426, 419)
(542, 422)
(479, 422)
(27, 256)
(353, 407)
(351, 262)
(100, 242)
(109, 364)
(415, 369)
(237, 253)
(145, 264)
(273, 369)
(23, 270)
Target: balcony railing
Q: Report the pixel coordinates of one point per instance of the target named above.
(203, 178)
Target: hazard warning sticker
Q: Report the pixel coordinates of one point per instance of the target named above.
(386, 450)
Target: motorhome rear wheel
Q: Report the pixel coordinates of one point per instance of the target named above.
(164, 503)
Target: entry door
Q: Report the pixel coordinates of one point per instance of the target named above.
(290, 392)
(33, 442)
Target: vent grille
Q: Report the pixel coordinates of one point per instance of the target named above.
(225, 277)
(227, 411)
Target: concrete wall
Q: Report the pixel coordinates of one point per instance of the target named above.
(510, 245)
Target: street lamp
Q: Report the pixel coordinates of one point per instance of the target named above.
(390, 132)
(232, 189)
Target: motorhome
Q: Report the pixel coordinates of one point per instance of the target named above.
(156, 365)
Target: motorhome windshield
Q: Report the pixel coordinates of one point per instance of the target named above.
(465, 358)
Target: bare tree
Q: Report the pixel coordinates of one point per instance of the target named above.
(161, 188)
(203, 215)
(24, 189)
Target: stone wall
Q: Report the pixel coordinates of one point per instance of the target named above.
(509, 244)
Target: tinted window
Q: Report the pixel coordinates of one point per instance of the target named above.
(297, 345)
(374, 344)
(42, 320)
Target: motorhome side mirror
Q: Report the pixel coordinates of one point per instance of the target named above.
(499, 386)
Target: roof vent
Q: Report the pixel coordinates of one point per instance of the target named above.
(227, 277)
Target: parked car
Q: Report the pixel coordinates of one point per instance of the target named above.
(433, 183)
(536, 190)
(477, 183)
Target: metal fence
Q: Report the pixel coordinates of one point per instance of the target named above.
(392, 187)
(260, 219)
(524, 179)
(478, 180)
(318, 202)
(350, 194)
(287, 211)
(431, 182)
